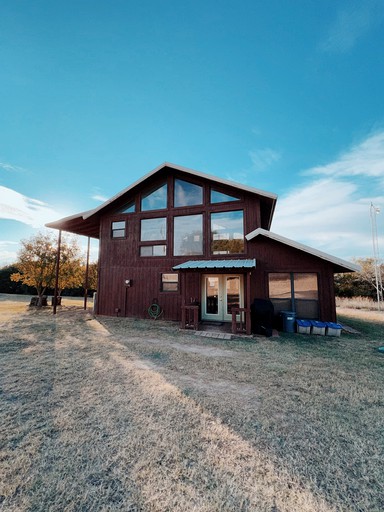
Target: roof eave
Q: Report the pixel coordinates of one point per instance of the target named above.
(269, 195)
(340, 264)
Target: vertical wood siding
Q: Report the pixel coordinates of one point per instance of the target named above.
(120, 259)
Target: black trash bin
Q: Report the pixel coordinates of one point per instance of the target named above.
(262, 313)
(288, 320)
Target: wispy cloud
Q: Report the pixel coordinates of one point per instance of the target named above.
(10, 168)
(97, 195)
(262, 159)
(16, 206)
(331, 212)
(8, 252)
(351, 24)
(363, 159)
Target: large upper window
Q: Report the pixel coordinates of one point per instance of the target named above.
(155, 199)
(187, 194)
(153, 229)
(188, 235)
(118, 229)
(227, 232)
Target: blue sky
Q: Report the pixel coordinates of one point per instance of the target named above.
(285, 96)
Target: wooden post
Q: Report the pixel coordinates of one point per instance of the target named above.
(57, 273)
(86, 276)
(248, 305)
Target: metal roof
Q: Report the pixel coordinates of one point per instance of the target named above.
(340, 265)
(76, 224)
(268, 195)
(88, 223)
(215, 264)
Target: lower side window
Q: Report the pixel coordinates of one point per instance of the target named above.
(170, 282)
(153, 250)
(118, 229)
(295, 291)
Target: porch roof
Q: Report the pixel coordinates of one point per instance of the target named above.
(215, 264)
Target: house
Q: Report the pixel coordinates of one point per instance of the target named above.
(194, 243)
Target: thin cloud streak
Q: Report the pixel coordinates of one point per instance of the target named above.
(352, 24)
(262, 159)
(16, 206)
(363, 159)
(10, 168)
(100, 198)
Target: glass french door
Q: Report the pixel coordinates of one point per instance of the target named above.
(220, 294)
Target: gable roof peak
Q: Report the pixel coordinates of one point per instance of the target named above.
(189, 172)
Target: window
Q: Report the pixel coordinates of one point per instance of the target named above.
(227, 232)
(153, 250)
(129, 208)
(170, 282)
(187, 194)
(153, 229)
(219, 197)
(118, 229)
(280, 286)
(188, 235)
(155, 199)
(294, 291)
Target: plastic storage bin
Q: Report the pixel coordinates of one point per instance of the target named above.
(303, 326)
(333, 329)
(318, 327)
(289, 320)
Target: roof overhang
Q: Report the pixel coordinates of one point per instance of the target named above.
(340, 265)
(79, 224)
(267, 195)
(87, 223)
(216, 264)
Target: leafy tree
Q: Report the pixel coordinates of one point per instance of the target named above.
(92, 276)
(37, 264)
(8, 286)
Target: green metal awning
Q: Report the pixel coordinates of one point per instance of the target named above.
(215, 264)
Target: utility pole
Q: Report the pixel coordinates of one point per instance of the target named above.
(376, 255)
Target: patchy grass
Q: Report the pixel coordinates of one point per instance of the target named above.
(138, 416)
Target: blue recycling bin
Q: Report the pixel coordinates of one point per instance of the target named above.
(289, 320)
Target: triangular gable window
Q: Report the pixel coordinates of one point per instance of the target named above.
(128, 208)
(219, 197)
(155, 199)
(187, 194)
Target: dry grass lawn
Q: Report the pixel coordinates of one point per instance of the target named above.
(117, 414)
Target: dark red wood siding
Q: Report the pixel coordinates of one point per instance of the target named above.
(119, 259)
(273, 256)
